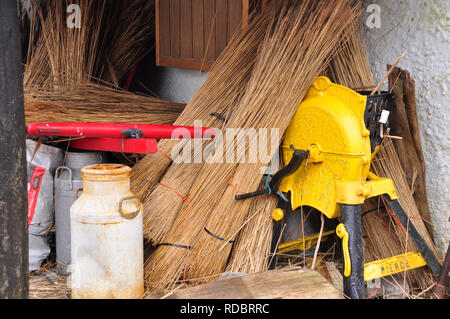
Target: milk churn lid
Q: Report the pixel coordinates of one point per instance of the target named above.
(106, 172)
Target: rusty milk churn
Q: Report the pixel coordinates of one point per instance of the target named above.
(107, 236)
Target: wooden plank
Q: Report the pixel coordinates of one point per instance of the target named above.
(221, 26)
(186, 29)
(209, 8)
(278, 284)
(163, 24)
(198, 30)
(245, 13)
(409, 150)
(186, 64)
(234, 17)
(175, 49)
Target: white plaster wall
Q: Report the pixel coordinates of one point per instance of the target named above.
(179, 85)
(421, 29)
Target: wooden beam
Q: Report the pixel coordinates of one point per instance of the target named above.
(13, 173)
(278, 284)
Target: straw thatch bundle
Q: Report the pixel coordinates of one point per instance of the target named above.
(111, 37)
(251, 250)
(68, 69)
(387, 164)
(304, 30)
(92, 102)
(385, 237)
(299, 40)
(350, 66)
(220, 94)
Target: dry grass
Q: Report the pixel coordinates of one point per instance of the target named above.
(92, 102)
(221, 93)
(113, 35)
(395, 239)
(251, 251)
(350, 66)
(298, 42)
(68, 69)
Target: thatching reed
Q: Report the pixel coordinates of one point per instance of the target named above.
(350, 66)
(276, 60)
(92, 102)
(300, 39)
(385, 237)
(111, 37)
(387, 164)
(220, 93)
(251, 251)
(68, 69)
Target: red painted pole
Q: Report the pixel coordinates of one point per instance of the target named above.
(117, 130)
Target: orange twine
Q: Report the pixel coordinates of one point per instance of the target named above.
(233, 186)
(165, 155)
(184, 199)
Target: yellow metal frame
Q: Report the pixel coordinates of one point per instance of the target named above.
(393, 265)
(330, 124)
(302, 243)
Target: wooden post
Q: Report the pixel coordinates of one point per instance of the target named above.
(13, 183)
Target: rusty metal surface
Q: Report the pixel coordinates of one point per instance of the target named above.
(107, 248)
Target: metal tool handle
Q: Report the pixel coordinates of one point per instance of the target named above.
(294, 164)
(61, 168)
(133, 214)
(77, 192)
(424, 249)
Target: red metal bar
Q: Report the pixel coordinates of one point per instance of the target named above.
(115, 130)
(124, 145)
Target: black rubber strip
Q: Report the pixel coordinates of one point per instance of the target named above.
(219, 116)
(175, 245)
(217, 237)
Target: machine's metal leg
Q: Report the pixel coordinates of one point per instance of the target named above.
(425, 251)
(354, 284)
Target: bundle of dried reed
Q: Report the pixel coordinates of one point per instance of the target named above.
(298, 42)
(91, 102)
(251, 251)
(278, 57)
(220, 93)
(384, 237)
(350, 66)
(60, 54)
(387, 164)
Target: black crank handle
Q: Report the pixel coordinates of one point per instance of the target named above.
(250, 195)
(294, 164)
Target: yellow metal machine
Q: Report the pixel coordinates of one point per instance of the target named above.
(327, 151)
